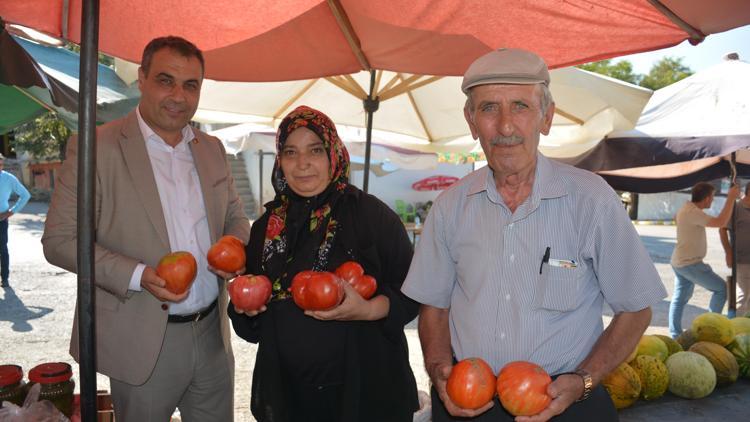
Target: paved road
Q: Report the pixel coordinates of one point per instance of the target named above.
(36, 313)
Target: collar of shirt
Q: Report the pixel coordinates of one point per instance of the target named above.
(546, 184)
(156, 140)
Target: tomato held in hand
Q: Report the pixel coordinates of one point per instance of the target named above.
(365, 285)
(178, 269)
(249, 292)
(471, 384)
(522, 388)
(349, 270)
(227, 254)
(316, 291)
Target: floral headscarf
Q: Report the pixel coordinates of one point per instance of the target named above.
(281, 239)
(304, 116)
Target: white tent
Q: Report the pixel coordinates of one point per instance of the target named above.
(686, 133)
(423, 113)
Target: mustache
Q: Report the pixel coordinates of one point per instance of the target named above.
(506, 141)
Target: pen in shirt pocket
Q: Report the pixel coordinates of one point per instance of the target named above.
(545, 259)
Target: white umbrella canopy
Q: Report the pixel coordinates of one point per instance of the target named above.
(423, 113)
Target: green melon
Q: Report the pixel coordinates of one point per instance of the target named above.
(623, 386)
(740, 348)
(741, 325)
(686, 339)
(652, 346)
(672, 345)
(653, 375)
(713, 327)
(724, 363)
(691, 375)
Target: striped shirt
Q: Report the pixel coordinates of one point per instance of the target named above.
(483, 262)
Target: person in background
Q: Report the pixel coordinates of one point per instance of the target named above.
(741, 238)
(517, 259)
(350, 363)
(9, 184)
(162, 186)
(687, 257)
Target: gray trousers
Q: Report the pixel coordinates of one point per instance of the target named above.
(193, 373)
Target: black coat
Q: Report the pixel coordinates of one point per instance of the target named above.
(378, 383)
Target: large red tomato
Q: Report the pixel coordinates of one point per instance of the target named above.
(227, 254)
(316, 291)
(349, 270)
(249, 292)
(365, 285)
(522, 388)
(178, 269)
(471, 384)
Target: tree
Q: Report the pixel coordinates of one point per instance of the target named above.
(622, 70)
(44, 138)
(665, 72)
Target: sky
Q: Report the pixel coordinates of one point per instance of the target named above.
(697, 57)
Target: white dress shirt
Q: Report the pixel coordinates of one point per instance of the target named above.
(184, 213)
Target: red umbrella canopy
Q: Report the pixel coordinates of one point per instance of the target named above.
(271, 40)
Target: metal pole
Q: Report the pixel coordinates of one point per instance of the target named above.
(371, 106)
(260, 183)
(86, 192)
(732, 284)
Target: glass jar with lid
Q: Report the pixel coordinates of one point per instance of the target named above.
(12, 387)
(56, 384)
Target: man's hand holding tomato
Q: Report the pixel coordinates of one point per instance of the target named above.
(354, 308)
(157, 287)
(564, 390)
(439, 374)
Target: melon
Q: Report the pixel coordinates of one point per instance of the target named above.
(713, 327)
(672, 345)
(686, 339)
(632, 355)
(724, 363)
(623, 386)
(652, 346)
(653, 375)
(741, 325)
(740, 348)
(691, 375)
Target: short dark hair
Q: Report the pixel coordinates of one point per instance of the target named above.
(701, 191)
(178, 44)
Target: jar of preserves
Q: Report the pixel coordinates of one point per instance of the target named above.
(56, 384)
(12, 387)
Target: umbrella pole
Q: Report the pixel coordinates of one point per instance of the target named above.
(85, 225)
(732, 284)
(371, 105)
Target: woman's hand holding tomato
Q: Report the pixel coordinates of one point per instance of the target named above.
(354, 307)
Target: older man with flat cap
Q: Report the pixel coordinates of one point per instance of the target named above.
(518, 258)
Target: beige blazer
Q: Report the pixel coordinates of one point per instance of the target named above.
(130, 228)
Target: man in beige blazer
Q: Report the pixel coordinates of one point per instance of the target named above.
(161, 186)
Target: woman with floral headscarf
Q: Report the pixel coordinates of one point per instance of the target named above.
(349, 363)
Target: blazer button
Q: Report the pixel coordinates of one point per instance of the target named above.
(164, 306)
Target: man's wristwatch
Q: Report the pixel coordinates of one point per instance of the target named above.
(588, 383)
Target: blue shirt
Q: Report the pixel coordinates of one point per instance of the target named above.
(482, 262)
(9, 184)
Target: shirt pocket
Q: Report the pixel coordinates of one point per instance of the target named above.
(558, 289)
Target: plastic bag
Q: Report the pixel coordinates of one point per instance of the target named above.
(424, 414)
(32, 409)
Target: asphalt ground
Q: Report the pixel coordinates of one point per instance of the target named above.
(36, 314)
